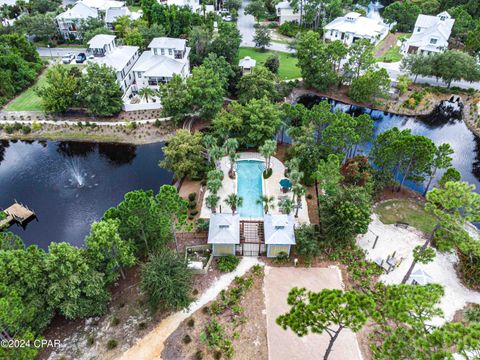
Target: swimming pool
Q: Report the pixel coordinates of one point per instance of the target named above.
(249, 187)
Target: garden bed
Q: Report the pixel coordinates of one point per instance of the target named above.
(246, 329)
(199, 254)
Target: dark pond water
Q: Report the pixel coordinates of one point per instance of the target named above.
(70, 184)
(466, 145)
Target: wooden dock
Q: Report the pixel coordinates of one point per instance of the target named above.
(17, 212)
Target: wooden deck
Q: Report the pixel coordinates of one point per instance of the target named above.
(16, 212)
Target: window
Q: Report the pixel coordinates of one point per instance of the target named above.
(169, 51)
(155, 51)
(139, 74)
(224, 226)
(433, 41)
(162, 51)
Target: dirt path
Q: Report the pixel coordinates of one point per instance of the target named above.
(151, 346)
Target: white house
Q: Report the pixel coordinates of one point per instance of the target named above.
(247, 64)
(430, 34)
(70, 20)
(286, 13)
(279, 234)
(224, 233)
(166, 57)
(353, 26)
(119, 58)
(195, 5)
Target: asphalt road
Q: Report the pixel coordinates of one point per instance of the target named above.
(59, 52)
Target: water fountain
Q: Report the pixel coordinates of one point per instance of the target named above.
(79, 178)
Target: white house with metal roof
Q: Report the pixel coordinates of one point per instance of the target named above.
(430, 34)
(70, 20)
(166, 57)
(111, 15)
(279, 234)
(224, 233)
(286, 13)
(353, 26)
(120, 58)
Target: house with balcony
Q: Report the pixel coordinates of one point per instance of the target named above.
(70, 21)
(353, 26)
(430, 34)
(166, 57)
(111, 15)
(286, 13)
(120, 58)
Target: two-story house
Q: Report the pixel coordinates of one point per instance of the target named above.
(120, 58)
(353, 26)
(430, 34)
(286, 13)
(166, 57)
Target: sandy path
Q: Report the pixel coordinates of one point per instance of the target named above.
(151, 346)
(285, 344)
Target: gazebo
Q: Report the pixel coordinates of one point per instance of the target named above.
(420, 277)
(279, 234)
(224, 233)
(247, 64)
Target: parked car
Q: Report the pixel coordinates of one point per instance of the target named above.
(227, 18)
(81, 58)
(67, 58)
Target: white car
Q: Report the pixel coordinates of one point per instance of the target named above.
(227, 18)
(68, 58)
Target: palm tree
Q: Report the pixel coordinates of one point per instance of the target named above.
(298, 191)
(231, 146)
(213, 185)
(268, 202)
(286, 206)
(212, 201)
(267, 150)
(215, 153)
(234, 201)
(146, 92)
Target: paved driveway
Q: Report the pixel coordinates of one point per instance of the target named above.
(284, 344)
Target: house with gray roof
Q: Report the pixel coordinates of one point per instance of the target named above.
(279, 234)
(430, 34)
(120, 58)
(224, 233)
(167, 57)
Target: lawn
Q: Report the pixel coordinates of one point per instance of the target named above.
(288, 62)
(392, 55)
(28, 100)
(406, 211)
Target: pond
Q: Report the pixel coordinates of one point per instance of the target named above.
(466, 144)
(71, 184)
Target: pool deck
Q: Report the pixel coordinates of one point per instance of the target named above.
(271, 187)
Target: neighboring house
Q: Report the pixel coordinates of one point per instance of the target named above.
(279, 234)
(247, 64)
(286, 13)
(69, 22)
(166, 57)
(353, 26)
(119, 58)
(195, 5)
(111, 15)
(430, 34)
(224, 233)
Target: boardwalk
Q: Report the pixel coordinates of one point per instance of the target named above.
(17, 212)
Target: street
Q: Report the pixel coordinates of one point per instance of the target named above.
(59, 52)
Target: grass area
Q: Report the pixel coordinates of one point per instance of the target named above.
(288, 62)
(75, 136)
(406, 211)
(134, 8)
(392, 55)
(28, 100)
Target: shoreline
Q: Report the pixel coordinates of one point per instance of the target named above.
(340, 97)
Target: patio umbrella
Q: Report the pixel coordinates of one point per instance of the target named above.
(420, 277)
(285, 183)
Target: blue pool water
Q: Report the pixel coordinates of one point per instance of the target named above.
(249, 187)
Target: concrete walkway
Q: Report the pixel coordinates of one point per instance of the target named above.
(151, 346)
(285, 344)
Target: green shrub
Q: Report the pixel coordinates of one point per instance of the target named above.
(115, 321)
(281, 258)
(187, 339)
(112, 344)
(191, 322)
(228, 263)
(157, 123)
(90, 340)
(202, 224)
(36, 126)
(194, 212)
(272, 25)
(9, 129)
(289, 29)
(192, 204)
(26, 129)
(199, 355)
(267, 173)
(192, 196)
(473, 314)
(216, 338)
(142, 325)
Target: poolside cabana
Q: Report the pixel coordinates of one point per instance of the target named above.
(279, 234)
(224, 233)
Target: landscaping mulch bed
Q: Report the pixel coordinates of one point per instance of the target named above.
(250, 343)
(388, 193)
